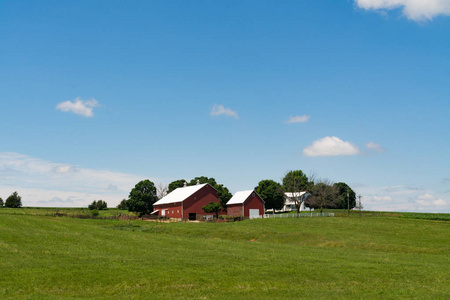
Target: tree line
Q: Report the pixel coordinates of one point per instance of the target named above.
(323, 193)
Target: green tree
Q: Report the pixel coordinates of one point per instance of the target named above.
(294, 182)
(142, 197)
(176, 184)
(323, 195)
(272, 194)
(99, 205)
(223, 192)
(14, 200)
(123, 205)
(212, 207)
(93, 205)
(1, 202)
(343, 200)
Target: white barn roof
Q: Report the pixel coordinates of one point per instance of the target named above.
(240, 197)
(180, 194)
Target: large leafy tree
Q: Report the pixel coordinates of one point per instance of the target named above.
(345, 196)
(324, 195)
(175, 184)
(1, 202)
(272, 194)
(14, 200)
(294, 182)
(142, 197)
(223, 192)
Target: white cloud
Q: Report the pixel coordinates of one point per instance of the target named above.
(417, 10)
(330, 146)
(430, 200)
(402, 198)
(39, 181)
(298, 119)
(375, 147)
(381, 198)
(219, 109)
(79, 107)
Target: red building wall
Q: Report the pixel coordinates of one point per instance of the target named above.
(253, 202)
(235, 210)
(173, 210)
(194, 203)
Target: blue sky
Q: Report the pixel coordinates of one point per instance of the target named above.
(97, 95)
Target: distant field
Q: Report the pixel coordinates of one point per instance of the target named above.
(378, 256)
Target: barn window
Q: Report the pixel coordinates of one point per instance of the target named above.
(178, 211)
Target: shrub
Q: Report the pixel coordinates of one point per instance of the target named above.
(123, 205)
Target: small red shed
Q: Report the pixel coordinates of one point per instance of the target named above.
(246, 203)
(186, 202)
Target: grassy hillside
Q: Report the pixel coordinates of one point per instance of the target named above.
(370, 257)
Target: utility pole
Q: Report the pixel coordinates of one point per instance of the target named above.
(360, 207)
(348, 203)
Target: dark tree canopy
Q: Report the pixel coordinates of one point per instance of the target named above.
(296, 181)
(176, 184)
(142, 197)
(272, 194)
(212, 207)
(99, 205)
(14, 201)
(341, 201)
(1, 202)
(223, 193)
(123, 205)
(324, 195)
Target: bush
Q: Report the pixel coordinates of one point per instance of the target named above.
(95, 212)
(14, 201)
(123, 205)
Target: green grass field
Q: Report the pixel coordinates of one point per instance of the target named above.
(377, 256)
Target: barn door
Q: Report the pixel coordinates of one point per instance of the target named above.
(254, 213)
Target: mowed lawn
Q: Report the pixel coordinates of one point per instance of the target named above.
(44, 257)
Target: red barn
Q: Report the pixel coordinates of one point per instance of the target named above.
(186, 202)
(246, 203)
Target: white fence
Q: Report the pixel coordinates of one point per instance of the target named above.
(301, 215)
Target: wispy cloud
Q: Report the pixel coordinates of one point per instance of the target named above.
(298, 119)
(403, 198)
(417, 10)
(79, 107)
(375, 147)
(430, 200)
(39, 180)
(330, 146)
(220, 110)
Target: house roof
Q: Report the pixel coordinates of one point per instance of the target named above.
(295, 194)
(180, 194)
(240, 197)
(290, 197)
